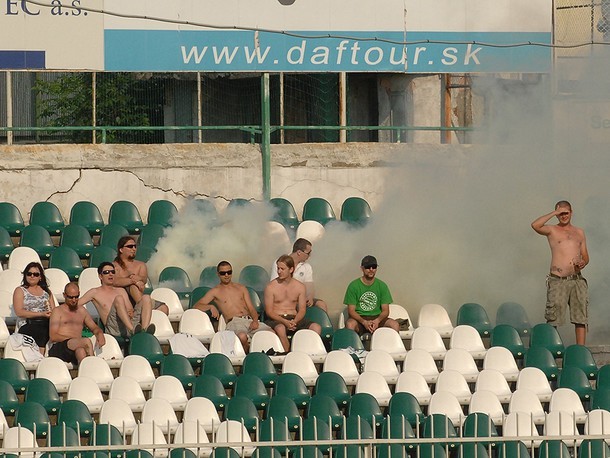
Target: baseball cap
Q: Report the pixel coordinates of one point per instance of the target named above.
(368, 260)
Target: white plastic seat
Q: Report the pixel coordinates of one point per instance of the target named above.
(455, 383)
(170, 388)
(118, 413)
(382, 362)
(487, 402)
(493, 380)
(21, 257)
(374, 383)
(435, 316)
(150, 434)
(297, 362)
(18, 437)
(4, 333)
(98, 369)
(468, 338)
(501, 359)
(128, 389)
(237, 354)
(343, 364)
(390, 341)
(190, 432)
(6, 307)
(275, 239)
(559, 423)
(233, 431)
(428, 339)
(310, 230)
(421, 361)
(88, 279)
(198, 324)
(520, 424)
(567, 400)
(9, 280)
(202, 411)
(10, 352)
(526, 401)
(111, 351)
(160, 412)
(57, 279)
(533, 379)
(598, 422)
(264, 340)
(138, 367)
(310, 342)
(447, 404)
(170, 298)
(462, 361)
(3, 424)
(398, 312)
(163, 327)
(55, 370)
(413, 382)
(85, 389)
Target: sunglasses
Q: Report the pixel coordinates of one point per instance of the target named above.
(226, 272)
(133, 245)
(106, 272)
(370, 266)
(71, 297)
(33, 274)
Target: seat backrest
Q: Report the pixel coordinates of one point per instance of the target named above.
(11, 219)
(47, 215)
(284, 212)
(318, 209)
(162, 212)
(435, 316)
(103, 253)
(476, 316)
(21, 257)
(67, 259)
(78, 238)
(208, 277)
(514, 314)
(310, 230)
(127, 215)
(88, 215)
(111, 233)
(150, 235)
(37, 238)
(356, 211)
(88, 279)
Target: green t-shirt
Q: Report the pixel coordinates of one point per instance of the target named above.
(367, 299)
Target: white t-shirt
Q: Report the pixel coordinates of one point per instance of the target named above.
(302, 272)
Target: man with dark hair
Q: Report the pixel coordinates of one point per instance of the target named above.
(120, 318)
(132, 274)
(368, 300)
(566, 287)
(301, 252)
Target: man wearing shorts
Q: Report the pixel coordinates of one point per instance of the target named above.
(66, 326)
(233, 301)
(285, 303)
(565, 284)
(120, 318)
(368, 300)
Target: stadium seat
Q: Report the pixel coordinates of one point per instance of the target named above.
(284, 213)
(324, 408)
(66, 259)
(297, 362)
(239, 202)
(515, 315)
(603, 375)
(138, 367)
(255, 277)
(501, 359)
(13, 372)
(356, 211)
(366, 407)
(567, 400)
(494, 381)
(8, 398)
(107, 434)
(439, 426)
(560, 423)
(396, 427)
(310, 342)
(574, 378)
(88, 215)
(520, 424)
(47, 215)
(150, 235)
(205, 208)
(178, 366)
(177, 279)
(580, 356)
(55, 370)
(554, 448)
(43, 392)
(150, 434)
(230, 431)
(6, 244)
(263, 341)
(190, 432)
(543, 359)
(37, 238)
(260, 364)
(593, 448)
(126, 214)
(57, 279)
(169, 297)
(447, 404)
(430, 340)
(314, 429)
(545, 335)
(198, 324)
(513, 449)
(414, 383)
(333, 385)
(534, 379)
(203, 411)
(253, 388)
(435, 316)
(101, 254)
(344, 338)
(455, 383)
(405, 404)
(526, 401)
(480, 425)
(283, 410)
(467, 338)
(111, 233)
(310, 230)
(210, 387)
(318, 209)
(86, 390)
(17, 437)
(400, 314)
(62, 436)
(127, 389)
(375, 384)
(208, 277)
(111, 352)
(597, 422)
(160, 412)
(389, 340)
(420, 360)
(11, 219)
(162, 212)
(354, 428)
(462, 361)
(21, 256)
(486, 402)
(343, 364)
(475, 315)
(117, 412)
(237, 353)
(243, 410)
(317, 315)
(197, 293)
(147, 345)
(504, 335)
(163, 326)
(219, 366)
(33, 416)
(75, 414)
(381, 361)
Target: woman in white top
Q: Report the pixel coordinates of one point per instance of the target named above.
(33, 302)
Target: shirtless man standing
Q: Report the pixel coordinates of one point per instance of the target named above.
(120, 318)
(66, 326)
(132, 274)
(285, 303)
(565, 284)
(234, 303)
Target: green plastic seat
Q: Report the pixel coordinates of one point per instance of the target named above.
(196, 294)
(8, 398)
(580, 356)
(317, 315)
(344, 338)
(603, 377)
(6, 244)
(180, 367)
(513, 449)
(601, 398)
(88, 215)
(395, 427)
(107, 434)
(543, 359)
(475, 315)
(47, 215)
(239, 202)
(515, 315)
(273, 430)
(479, 424)
(62, 436)
(33, 416)
(150, 235)
(439, 426)
(110, 235)
(162, 212)
(127, 215)
(219, 366)
(284, 213)
(13, 372)
(260, 364)
(284, 409)
(11, 219)
(43, 391)
(367, 407)
(314, 429)
(206, 208)
(356, 211)
(37, 238)
(353, 428)
(405, 404)
(144, 253)
(504, 335)
(66, 259)
(257, 302)
(471, 450)
(182, 453)
(324, 408)
(78, 238)
(225, 452)
(148, 346)
(293, 387)
(210, 387)
(593, 448)
(432, 451)
(137, 453)
(243, 410)
(545, 335)
(333, 385)
(318, 209)
(554, 449)
(101, 254)
(208, 277)
(76, 415)
(574, 378)
(177, 279)
(251, 387)
(255, 277)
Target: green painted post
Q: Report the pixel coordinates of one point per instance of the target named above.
(266, 136)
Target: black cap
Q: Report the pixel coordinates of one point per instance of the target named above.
(368, 260)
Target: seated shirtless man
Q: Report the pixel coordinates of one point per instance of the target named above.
(66, 326)
(120, 318)
(233, 301)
